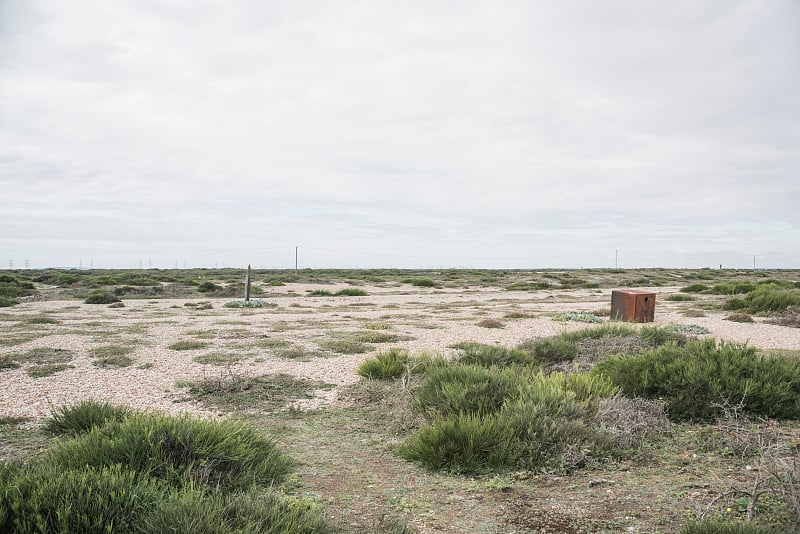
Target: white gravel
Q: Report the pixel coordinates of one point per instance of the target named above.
(431, 319)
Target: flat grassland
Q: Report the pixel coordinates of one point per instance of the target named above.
(289, 367)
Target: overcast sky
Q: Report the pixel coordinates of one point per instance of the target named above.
(493, 134)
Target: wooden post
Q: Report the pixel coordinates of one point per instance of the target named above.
(247, 285)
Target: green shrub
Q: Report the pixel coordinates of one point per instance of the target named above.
(657, 336)
(196, 512)
(677, 297)
(207, 286)
(587, 388)
(770, 299)
(735, 304)
(733, 288)
(385, 365)
(463, 443)
(83, 416)
(694, 379)
(101, 297)
(598, 332)
(7, 303)
(472, 353)
(320, 293)
(694, 288)
(12, 287)
(49, 498)
(554, 350)
(521, 424)
(454, 389)
(178, 450)
(350, 292)
(420, 282)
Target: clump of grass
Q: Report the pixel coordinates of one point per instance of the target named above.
(188, 345)
(482, 420)
(110, 351)
(272, 343)
(733, 288)
(765, 299)
(392, 363)
(419, 282)
(517, 315)
(345, 346)
(694, 288)
(351, 292)
(472, 353)
(218, 358)
(320, 293)
(179, 451)
(378, 326)
(553, 350)
(739, 318)
(692, 379)
(101, 297)
(678, 297)
(116, 362)
(233, 392)
(47, 369)
(491, 323)
(83, 416)
(375, 337)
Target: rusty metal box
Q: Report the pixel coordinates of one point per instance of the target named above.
(633, 305)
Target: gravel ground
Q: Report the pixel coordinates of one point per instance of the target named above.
(427, 320)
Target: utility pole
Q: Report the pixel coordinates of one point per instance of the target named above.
(616, 259)
(754, 262)
(295, 259)
(26, 263)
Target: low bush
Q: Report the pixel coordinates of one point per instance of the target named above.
(188, 345)
(50, 498)
(389, 364)
(487, 420)
(83, 416)
(178, 450)
(454, 389)
(578, 316)
(770, 299)
(7, 302)
(739, 318)
(420, 282)
(553, 350)
(373, 336)
(472, 353)
(694, 288)
(463, 443)
(694, 379)
(491, 323)
(345, 346)
(677, 297)
(101, 297)
(350, 292)
(733, 288)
